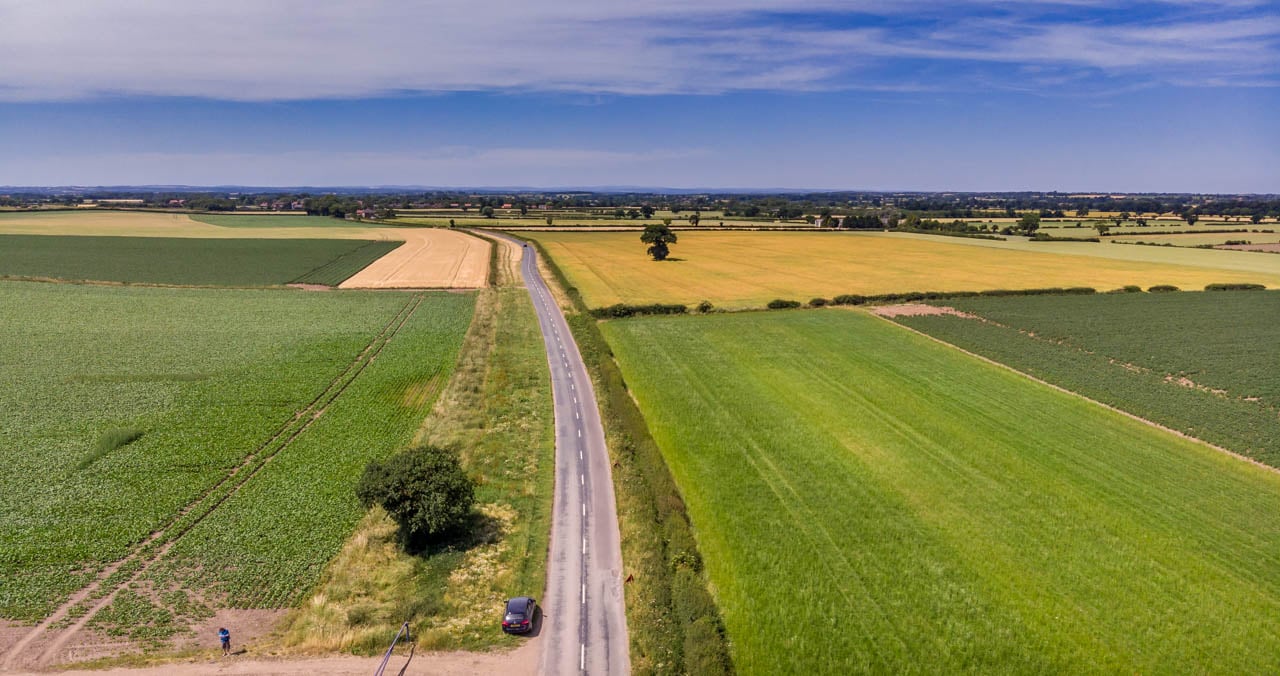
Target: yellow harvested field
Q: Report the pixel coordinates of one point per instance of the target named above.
(430, 258)
(748, 269)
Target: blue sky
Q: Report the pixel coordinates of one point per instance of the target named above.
(1077, 95)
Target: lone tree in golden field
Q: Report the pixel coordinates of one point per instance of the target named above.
(658, 236)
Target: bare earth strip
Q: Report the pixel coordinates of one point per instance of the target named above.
(918, 310)
(430, 258)
(519, 662)
(1268, 247)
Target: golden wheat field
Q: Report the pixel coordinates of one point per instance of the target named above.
(746, 269)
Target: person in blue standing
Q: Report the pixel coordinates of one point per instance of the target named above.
(225, 637)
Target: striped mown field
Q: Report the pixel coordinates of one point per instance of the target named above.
(869, 500)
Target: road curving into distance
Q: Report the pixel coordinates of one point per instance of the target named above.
(584, 623)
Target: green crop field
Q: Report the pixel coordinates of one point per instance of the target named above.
(1202, 363)
(270, 221)
(121, 406)
(1178, 239)
(868, 500)
(187, 261)
(737, 269)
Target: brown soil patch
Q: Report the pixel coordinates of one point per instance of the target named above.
(418, 394)
(431, 258)
(11, 633)
(1273, 247)
(1186, 382)
(918, 310)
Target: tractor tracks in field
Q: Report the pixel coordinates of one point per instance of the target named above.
(51, 634)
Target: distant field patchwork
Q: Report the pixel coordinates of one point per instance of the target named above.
(867, 500)
(737, 269)
(188, 261)
(1202, 363)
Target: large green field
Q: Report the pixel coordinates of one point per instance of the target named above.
(270, 221)
(252, 410)
(187, 261)
(748, 269)
(869, 500)
(1202, 363)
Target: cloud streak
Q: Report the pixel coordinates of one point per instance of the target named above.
(297, 50)
(442, 166)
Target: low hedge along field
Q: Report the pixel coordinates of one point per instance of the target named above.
(1202, 363)
(868, 500)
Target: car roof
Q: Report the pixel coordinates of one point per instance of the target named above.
(519, 603)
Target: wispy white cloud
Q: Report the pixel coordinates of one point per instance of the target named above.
(301, 49)
(442, 166)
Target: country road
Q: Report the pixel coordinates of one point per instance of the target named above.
(584, 626)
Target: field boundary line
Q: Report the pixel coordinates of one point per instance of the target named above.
(1028, 376)
(167, 535)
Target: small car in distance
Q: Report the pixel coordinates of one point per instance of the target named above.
(519, 616)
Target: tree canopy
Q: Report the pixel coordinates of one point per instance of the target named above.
(658, 237)
(423, 489)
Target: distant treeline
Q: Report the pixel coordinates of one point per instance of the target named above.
(863, 207)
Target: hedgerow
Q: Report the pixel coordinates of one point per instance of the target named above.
(1235, 287)
(623, 310)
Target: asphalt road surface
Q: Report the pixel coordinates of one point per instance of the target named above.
(584, 625)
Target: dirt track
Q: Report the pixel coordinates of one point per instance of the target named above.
(429, 258)
(1270, 247)
(519, 662)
